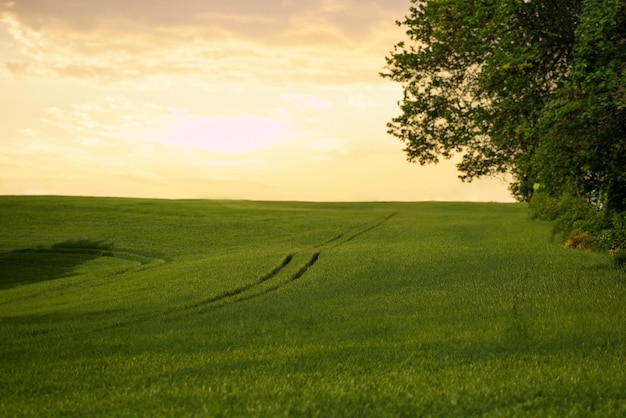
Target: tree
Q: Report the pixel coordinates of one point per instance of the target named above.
(476, 76)
(535, 89)
(583, 126)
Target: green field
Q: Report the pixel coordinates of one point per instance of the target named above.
(129, 307)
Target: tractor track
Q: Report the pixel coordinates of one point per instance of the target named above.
(254, 290)
(272, 281)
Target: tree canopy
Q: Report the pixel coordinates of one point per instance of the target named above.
(534, 89)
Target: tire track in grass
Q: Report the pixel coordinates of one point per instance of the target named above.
(213, 302)
(268, 283)
(262, 286)
(234, 292)
(299, 273)
(255, 291)
(333, 239)
(363, 231)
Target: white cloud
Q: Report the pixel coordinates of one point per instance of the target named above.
(328, 145)
(149, 42)
(87, 141)
(117, 119)
(228, 135)
(363, 102)
(28, 131)
(306, 101)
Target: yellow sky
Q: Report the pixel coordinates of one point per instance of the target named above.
(279, 99)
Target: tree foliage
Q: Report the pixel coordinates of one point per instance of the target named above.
(583, 126)
(535, 89)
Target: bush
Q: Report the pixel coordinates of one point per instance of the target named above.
(542, 206)
(579, 239)
(582, 225)
(569, 213)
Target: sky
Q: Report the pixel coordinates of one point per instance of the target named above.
(271, 100)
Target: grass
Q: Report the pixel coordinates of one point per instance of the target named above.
(124, 307)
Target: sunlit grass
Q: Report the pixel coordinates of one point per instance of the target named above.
(263, 309)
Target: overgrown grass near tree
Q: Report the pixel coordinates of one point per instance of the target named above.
(124, 307)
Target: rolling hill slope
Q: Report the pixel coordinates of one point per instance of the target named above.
(130, 307)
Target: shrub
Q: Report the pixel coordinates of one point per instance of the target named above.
(543, 206)
(581, 224)
(569, 213)
(579, 239)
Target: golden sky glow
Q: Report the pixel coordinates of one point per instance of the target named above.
(279, 99)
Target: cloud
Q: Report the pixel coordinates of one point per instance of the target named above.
(111, 119)
(117, 120)
(306, 101)
(249, 18)
(28, 131)
(102, 14)
(273, 41)
(232, 135)
(362, 101)
(327, 149)
(201, 98)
